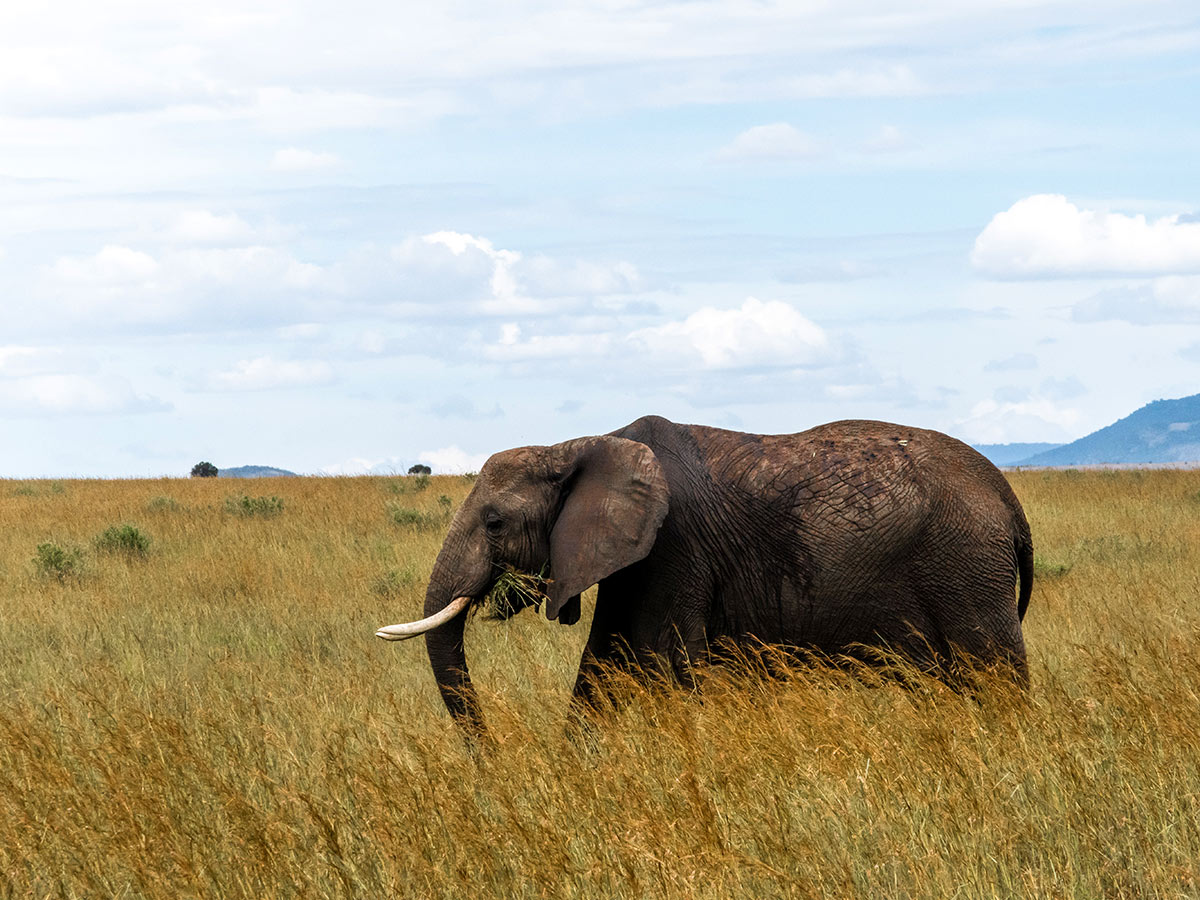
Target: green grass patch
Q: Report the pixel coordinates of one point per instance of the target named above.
(127, 539)
(419, 519)
(53, 560)
(262, 507)
(395, 582)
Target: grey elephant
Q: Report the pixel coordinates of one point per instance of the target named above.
(850, 535)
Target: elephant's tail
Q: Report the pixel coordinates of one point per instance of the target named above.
(1025, 572)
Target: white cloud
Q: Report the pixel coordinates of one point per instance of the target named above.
(511, 348)
(1034, 419)
(889, 139)
(18, 362)
(206, 281)
(113, 265)
(266, 373)
(1166, 300)
(452, 460)
(358, 465)
(778, 141)
(1046, 235)
(756, 334)
(294, 159)
(66, 394)
(195, 288)
(200, 226)
(445, 274)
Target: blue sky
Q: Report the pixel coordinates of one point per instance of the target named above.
(350, 240)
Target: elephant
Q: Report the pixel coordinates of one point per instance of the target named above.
(845, 537)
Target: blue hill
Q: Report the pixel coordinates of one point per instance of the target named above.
(1165, 431)
(1011, 454)
(254, 472)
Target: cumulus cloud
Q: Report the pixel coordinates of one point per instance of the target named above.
(295, 159)
(449, 273)
(756, 334)
(453, 460)
(265, 373)
(1046, 235)
(68, 394)
(777, 141)
(220, 274)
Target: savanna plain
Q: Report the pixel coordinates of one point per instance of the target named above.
(193, 704)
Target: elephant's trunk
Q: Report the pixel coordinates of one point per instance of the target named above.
(449, 663)
(459, 577)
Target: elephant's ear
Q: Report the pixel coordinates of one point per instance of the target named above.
(614, 499)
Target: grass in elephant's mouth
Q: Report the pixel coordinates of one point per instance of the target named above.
(216, 720)
(513, 591)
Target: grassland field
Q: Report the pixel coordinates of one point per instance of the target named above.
(195, 706)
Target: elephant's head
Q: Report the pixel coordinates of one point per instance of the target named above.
(577, 511)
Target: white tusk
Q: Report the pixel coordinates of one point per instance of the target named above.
(406, 630)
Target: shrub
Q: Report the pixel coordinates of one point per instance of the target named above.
(411, 485)
(254, 506)
(204, 470)
(445, 503)
(162, 504)
(55, 561)
(127, 539)
(1044, 568)
(393, 582)
(417, 518)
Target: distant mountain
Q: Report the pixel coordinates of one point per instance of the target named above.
(254, 472)
(1011, 454)
(1165, 431)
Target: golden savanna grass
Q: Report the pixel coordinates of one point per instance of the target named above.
(213, 718)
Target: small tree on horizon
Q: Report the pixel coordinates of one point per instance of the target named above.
(204, 470)
(419, 469)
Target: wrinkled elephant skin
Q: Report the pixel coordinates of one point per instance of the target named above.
(847, 535)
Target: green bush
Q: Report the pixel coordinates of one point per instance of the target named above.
(410, 484)
(127, 539)
(418, 518)
(55, 561)
(254, 506)
(1044, 568)
(393, 582)
(162, 504)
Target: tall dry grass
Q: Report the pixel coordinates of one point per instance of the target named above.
(213, 718)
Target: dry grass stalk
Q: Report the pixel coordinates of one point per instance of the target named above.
(217, 720)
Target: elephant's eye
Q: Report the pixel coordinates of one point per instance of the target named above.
(493, 523)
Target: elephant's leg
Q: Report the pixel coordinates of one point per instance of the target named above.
(604, 651)
(987, 638)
